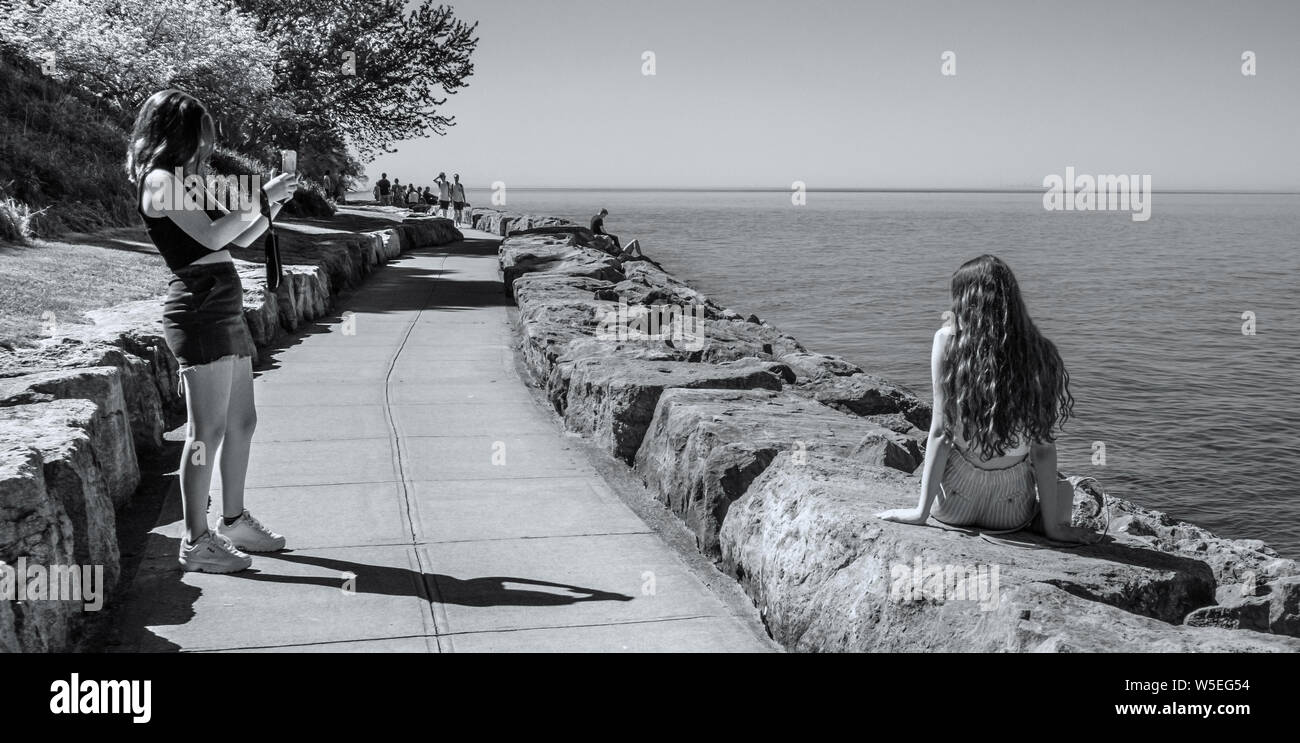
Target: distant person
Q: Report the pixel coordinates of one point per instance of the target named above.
(1000, 392)
(397, 193)
(328, 184)
(203, 321)
(458, 198)
(430, 197)
(412, 196)
(444, 194)
(598, 227)
(385, 188)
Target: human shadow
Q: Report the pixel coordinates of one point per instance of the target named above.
(446, 589)
(151, 593)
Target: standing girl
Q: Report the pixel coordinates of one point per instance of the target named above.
(203, 319)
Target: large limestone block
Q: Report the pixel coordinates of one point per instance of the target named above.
(553, 254)
(109, 427)
(612, 399)
(840, 384)
(33, 526)
(704, 448)
(63, 431)
(828, 576)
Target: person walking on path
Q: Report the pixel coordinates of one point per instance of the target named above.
(458, 198)
(203, 319)
(340, 190)
(598, 227)
(444, 194)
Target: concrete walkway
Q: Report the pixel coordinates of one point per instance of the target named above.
(430, 502)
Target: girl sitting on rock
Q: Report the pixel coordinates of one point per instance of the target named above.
(1000, 391)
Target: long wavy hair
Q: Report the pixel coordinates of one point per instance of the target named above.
(171, 128)
(1004, 383)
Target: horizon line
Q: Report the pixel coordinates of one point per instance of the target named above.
(768, 189)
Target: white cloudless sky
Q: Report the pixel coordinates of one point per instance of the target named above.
(848, 94)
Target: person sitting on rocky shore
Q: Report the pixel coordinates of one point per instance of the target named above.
(1000, 391)
(598, 227)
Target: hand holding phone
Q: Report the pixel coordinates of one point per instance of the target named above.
(281, 187)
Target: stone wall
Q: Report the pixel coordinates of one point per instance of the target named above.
(503, 223)
(78, 413)
(777, 458)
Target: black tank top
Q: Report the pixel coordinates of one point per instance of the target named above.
(178, 249)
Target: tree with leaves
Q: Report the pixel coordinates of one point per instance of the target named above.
(125, 50)
(365, 71)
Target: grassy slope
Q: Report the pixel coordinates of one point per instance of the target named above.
(61, 150)
(70, 277)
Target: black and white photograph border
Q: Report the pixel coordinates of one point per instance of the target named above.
(392, 326)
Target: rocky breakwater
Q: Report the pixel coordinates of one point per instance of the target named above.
(503, 223)
(776, 458)
(82, 410)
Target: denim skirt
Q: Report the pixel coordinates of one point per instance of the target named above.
(203, 317)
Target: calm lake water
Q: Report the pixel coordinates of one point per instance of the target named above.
(1197, 418)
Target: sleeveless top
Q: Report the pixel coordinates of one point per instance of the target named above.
(177, 248)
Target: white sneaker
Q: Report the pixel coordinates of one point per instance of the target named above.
(212, 553)
(247, 533)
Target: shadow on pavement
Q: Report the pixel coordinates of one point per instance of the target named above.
(446, 589)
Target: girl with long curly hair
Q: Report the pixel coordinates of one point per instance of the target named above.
(1000, 393)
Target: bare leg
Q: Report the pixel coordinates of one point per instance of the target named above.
(241, 421)
(207, 398)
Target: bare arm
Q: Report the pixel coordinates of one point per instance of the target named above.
(213, 234)
(255, 229)
(239, 227)
(1056, 505)
(937, 446)
(259, 226)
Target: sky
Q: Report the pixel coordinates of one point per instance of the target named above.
(850, 94)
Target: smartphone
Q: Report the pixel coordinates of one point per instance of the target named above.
(288, 161)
